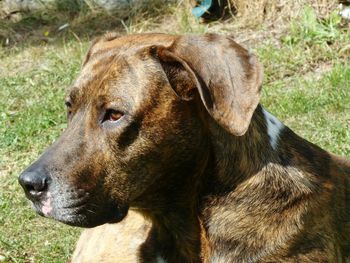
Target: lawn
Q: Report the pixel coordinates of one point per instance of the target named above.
(306, 85)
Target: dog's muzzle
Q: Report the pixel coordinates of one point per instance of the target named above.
(68, 204)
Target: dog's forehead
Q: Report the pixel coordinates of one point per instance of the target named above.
(129, 43)
(115, 61)
(100, 69)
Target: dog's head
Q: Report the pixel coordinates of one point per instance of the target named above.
(134, 119)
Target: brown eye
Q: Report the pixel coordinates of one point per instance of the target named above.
(113, 115)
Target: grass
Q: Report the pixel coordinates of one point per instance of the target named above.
(32, 116)
(307, 85)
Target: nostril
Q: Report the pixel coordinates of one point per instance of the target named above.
(33, 183)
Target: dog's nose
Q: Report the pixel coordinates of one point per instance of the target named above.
(34, 183)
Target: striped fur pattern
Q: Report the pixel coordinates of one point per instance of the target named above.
(171, 126)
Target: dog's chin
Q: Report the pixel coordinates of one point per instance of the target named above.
(85, 216)
(86, 221)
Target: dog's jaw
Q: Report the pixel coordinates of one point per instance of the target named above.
(78, 211)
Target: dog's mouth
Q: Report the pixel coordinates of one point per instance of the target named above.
(79, 210)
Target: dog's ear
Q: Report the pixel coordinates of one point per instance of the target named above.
(227, 77)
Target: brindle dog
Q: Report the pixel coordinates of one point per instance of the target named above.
(171, 126)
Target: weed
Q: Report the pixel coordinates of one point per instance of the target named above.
(314, 31)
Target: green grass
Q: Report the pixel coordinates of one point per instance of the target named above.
(32, 116)
(307, 86)
(307, 80)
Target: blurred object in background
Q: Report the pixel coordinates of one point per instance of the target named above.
(15, 9)
(209, 10)
(344, 12)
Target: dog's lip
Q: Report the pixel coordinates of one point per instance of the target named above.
(74, 217)
(77, 208)
(42, 205)
(48, 207)
(122, 212)
(37, 209)
(72, 208)
(76, 203)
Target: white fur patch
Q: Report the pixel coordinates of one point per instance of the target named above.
(274, 128)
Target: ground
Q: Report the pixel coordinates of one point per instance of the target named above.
(306, 85)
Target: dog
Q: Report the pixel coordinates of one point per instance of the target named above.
(171, 127)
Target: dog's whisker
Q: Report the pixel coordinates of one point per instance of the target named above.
(91, 211)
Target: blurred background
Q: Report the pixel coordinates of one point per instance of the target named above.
(304, 46)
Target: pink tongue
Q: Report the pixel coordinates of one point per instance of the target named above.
(47, 208)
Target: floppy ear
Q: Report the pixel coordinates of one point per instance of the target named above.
(227, 77)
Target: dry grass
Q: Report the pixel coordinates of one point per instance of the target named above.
(249, 19)
(276, 11)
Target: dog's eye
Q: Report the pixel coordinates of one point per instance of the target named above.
(112, 115)
(69, 106)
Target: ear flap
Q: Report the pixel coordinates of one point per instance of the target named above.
(227, 77)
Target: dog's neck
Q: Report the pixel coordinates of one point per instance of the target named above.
(267, 145)
(239, 157)
(268, 169)
(229, 162)
(172, 207)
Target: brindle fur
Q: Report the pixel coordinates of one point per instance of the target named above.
(192, 155)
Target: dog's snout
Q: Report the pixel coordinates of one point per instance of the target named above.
(34, 183)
